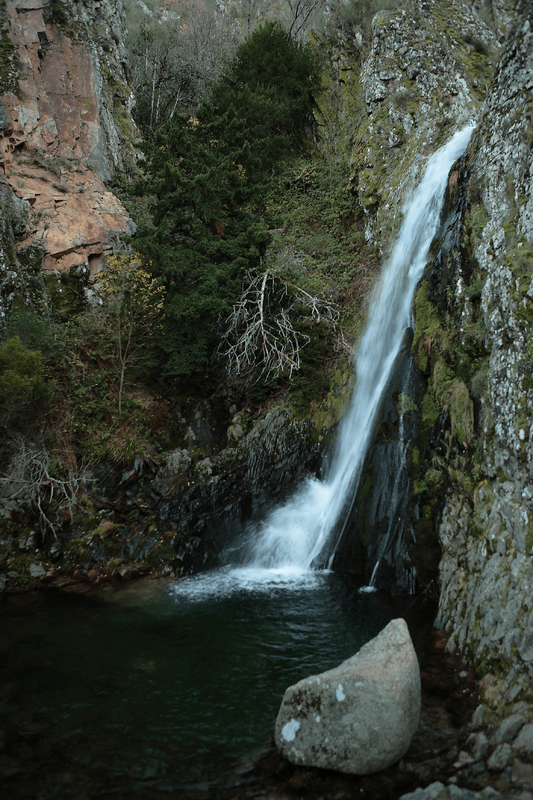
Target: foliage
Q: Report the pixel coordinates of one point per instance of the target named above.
(318, 242)
(173, 65)
(33, 474)
(208, 175)
(204, 236)
(20, 376)
(36, 332)
(359, 13)
(131, 312)
(269, 86)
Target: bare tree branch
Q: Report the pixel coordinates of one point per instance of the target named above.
(259, 333)
(29, 478)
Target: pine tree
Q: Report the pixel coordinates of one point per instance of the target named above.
(204, 235)
(208, 176)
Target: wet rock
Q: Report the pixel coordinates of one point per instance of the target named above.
(359, 717)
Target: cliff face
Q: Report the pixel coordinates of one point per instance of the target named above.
(469, 517)
(468, 522)
(486, 571)
(65, 127)
(420, 75)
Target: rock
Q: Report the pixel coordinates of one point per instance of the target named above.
(4, 116)
(36, 571)
(178, 461)
(489, 793)
(524, 741)
(486, 579)
(477, 717)
(463, 760)
(432, 792)
(508, 729)
(62, 137)
(500, 757)
(522, 773)
(480, 746)
(359, 717)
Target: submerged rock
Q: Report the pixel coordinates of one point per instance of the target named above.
(360, 716)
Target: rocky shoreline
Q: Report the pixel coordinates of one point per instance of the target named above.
(457, 753)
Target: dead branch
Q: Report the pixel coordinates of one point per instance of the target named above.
(259, 333)
(29, 478)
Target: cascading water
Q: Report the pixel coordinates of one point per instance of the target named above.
(305, 531)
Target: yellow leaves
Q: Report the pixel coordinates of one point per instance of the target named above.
(126, 285)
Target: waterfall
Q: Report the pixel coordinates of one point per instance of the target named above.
(306, 530)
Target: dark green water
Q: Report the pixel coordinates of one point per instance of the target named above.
(163, 686)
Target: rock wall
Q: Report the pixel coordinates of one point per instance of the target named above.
(171, 514)
(421, 76)
(65, 128)
(486, 572)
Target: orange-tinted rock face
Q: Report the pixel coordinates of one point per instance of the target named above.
(51, 147)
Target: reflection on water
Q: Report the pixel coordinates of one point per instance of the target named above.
(164, 685)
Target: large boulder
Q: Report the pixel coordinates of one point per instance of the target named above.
(360, 717)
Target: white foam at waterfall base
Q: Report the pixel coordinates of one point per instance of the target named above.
(228, 582)
(306, 530)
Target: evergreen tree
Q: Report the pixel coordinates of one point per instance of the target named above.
(204, 235)
(208, 176)
(269, 85)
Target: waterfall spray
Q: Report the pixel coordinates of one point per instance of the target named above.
(306, 530)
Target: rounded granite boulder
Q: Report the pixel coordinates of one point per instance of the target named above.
(359, 717)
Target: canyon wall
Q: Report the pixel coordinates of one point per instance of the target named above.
(486, 572)
(65, 131)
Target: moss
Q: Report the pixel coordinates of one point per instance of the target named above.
(406, 403)
(419, 486)
(430, 411)
(335, 404)
(21, 563)
(428, 328)
(453, 396)
(425, 551)
(161, 554)
(67, 291)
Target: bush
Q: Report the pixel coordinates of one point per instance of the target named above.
(20, 376)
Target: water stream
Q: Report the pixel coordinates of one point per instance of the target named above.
(306, 530)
